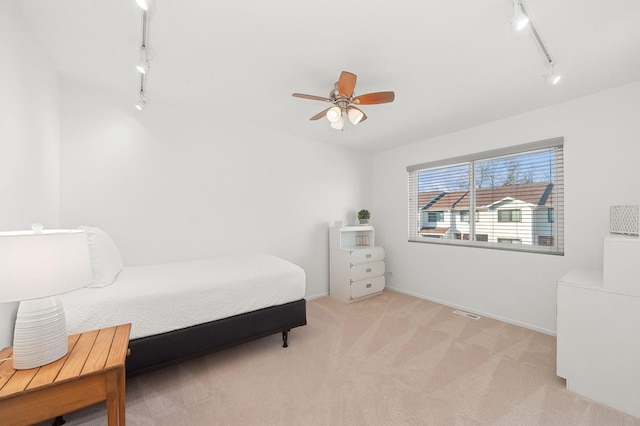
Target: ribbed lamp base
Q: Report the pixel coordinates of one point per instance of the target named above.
(40, 335)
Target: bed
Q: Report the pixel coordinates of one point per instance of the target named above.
(184, 309)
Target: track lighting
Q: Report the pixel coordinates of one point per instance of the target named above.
(144, 4)
(520, 20)
(552, 76)
(144, 64)
(142, 103)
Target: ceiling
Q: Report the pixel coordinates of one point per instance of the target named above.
(452, 64)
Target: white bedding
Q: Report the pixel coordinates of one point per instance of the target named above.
(165, 297)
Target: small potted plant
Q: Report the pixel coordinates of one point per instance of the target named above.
(363, 217)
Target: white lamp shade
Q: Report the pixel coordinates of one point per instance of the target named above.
(334, 114)
(35, 265)
(339, 124)
(355, 115)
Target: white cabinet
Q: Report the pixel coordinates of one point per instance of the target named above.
(598, 343)
(356, 264)
(621, 269)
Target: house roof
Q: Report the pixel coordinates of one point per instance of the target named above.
(433, 231)
(538, 194)
(439, 200)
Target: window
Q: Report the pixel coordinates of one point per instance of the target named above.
(435, 216)
(516, 194)
(464, 216)
(509, 216)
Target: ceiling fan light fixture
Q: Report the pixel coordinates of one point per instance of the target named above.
(338, 124)
(342, 107)
(355, 115)
(334, 114)
(520, 20)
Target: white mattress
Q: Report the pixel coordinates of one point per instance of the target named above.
(166, 297)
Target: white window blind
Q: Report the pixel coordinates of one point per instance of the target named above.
(516, 194)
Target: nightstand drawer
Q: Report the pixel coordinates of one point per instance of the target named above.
(365, 271)
(367, 255)
(366, 287)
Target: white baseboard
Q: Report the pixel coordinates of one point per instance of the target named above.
(481, 313)
(317, 296)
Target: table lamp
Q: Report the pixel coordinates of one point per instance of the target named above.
(35, 268)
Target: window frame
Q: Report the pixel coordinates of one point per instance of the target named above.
(438, 214)
(555, 145)
(465, 218)
(501, 218)
(502, 240)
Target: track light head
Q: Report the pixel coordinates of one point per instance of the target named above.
(142, 103)
(520, 20)
(144, 4)
(145, 60)
(144, 64)
(143, 67)
(552, 76)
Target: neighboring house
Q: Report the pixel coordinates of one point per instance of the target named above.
(517, 214)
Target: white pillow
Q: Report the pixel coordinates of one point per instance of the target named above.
(106, 260)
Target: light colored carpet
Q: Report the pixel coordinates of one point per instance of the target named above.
(388, 360)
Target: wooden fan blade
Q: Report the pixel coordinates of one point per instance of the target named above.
(375, 98)
(312, 97)
(347, 83)
(321, 114)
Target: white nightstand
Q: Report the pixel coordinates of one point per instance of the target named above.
(356, 263)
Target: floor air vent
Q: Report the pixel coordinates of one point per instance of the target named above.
(467, 314)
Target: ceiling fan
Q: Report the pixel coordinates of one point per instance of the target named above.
(344, 102)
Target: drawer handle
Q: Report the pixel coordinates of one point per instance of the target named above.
(368, 285)
(368, 269)
(369, 256)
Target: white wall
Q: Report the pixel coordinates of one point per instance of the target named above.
(602, 152)
(29, 138)
(169, 184)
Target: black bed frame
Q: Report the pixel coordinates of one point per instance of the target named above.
(151, 352)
